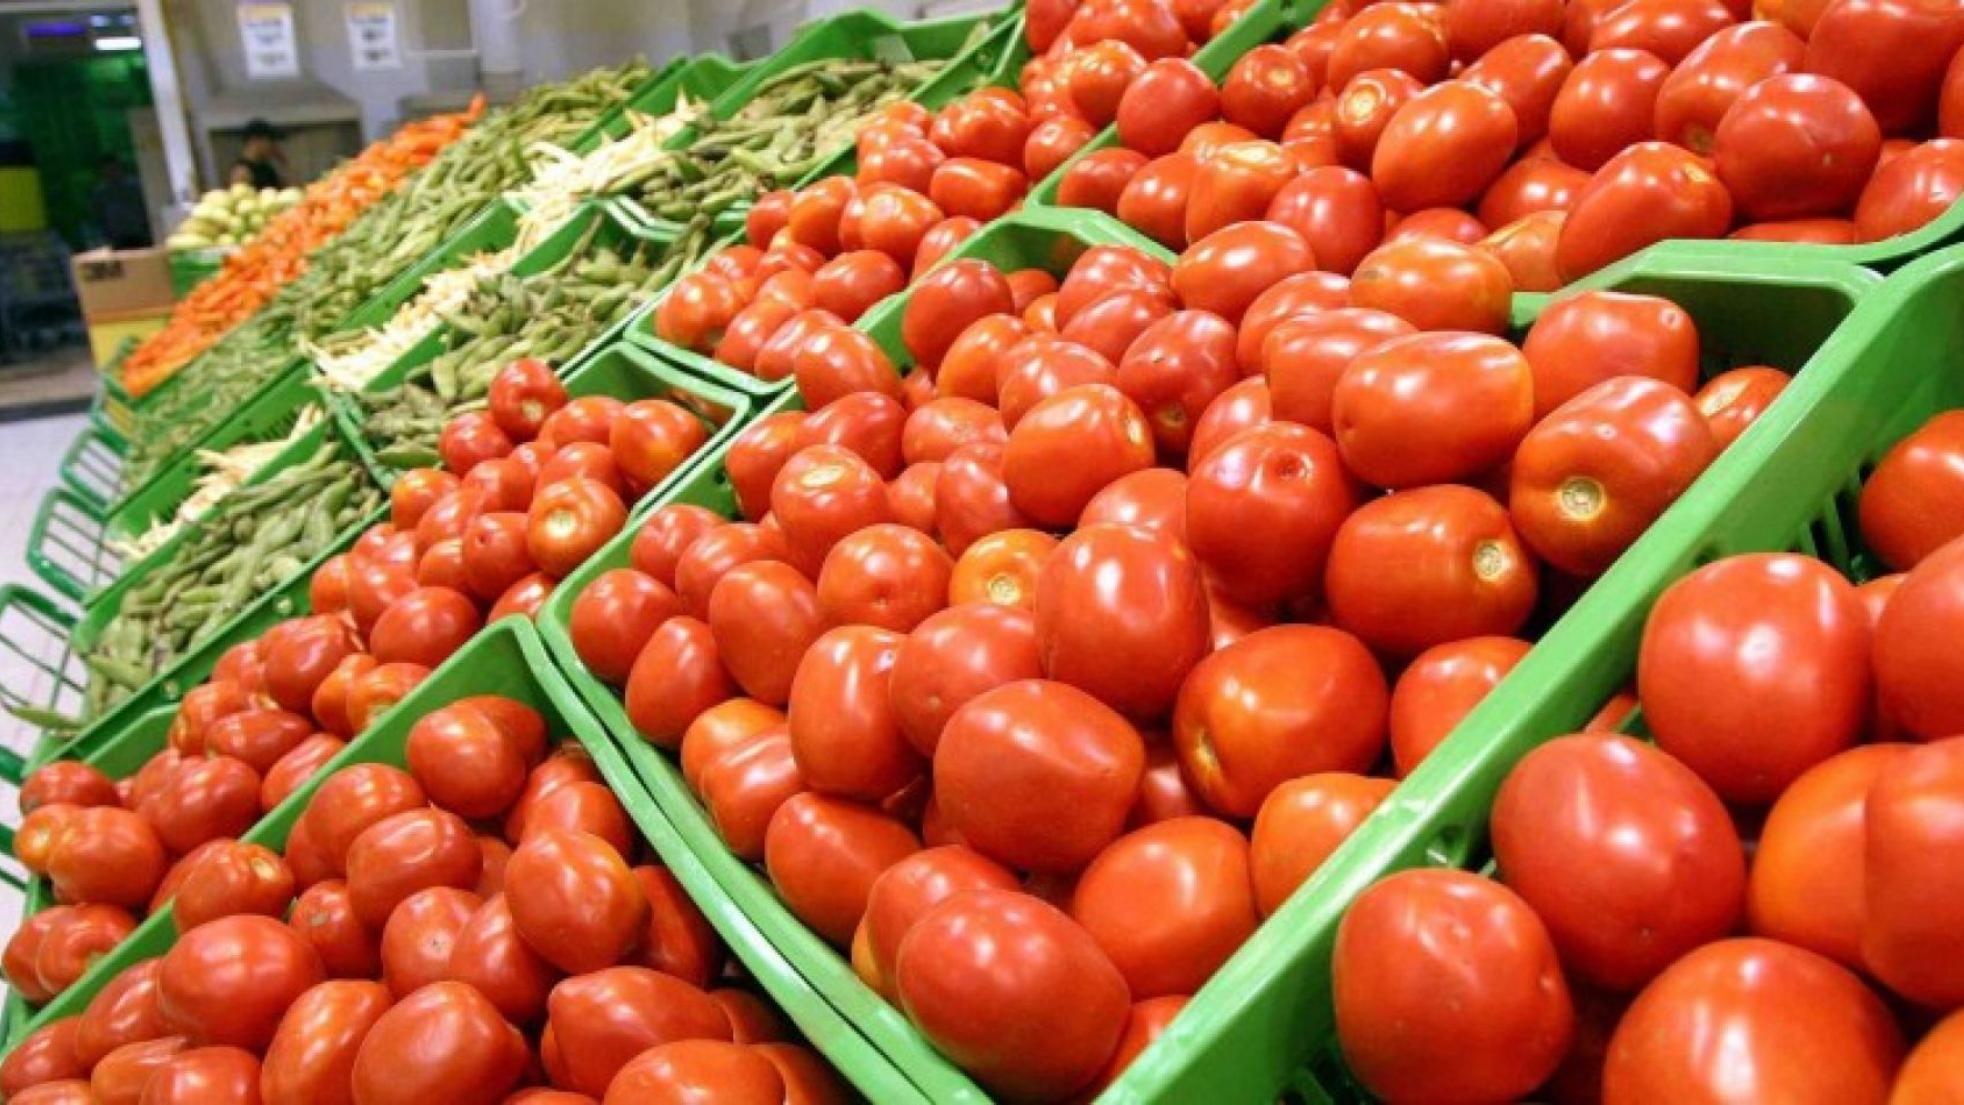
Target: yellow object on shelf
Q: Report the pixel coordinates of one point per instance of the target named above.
(107, 334)
(22, 207)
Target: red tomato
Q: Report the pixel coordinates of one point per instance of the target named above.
(698, 1070)
(715, 554)
(378, 689)
(1401, 36)
(1526, 247)
(1336, 211)
(205, 1076)
(1151, 499)
(1892, 53)
(1932, 1066)
(1423, 567)
(1907, 509)
(1155, 199)
(1796, 145)
(1365, 106)
(1582, 340)
(885, 575)
(1468, 397)
(1579, 827)
(1733, 400)
(325, 918)
(943, 425)
(124, 1011)
(47, 1054)
(1909, 191)
(1235, 183)
(1097, 78)
(1284, 475)
(231, 879)
(1643, 195)
(465, 762)
(348, 802)
(677, 676)
(69, 781)
(1266, 86)
(412, 496)
(1535, 185)
(1606, 105)
(523, 395)
(824, 854)
(405, 853)
(1162, 104)
(1443, 147)
(1195, 871)
(911, 888)
(573, 900)
(868, 423)
(1712, 77)
(954, 656)
(743, 788)
(1668, 29)
(667, 533)
(1527, 72)
(1001, 567)
(587, 418)
(1304, 356)
(1043, 365)
(424, 627)
(652, 438)
(1106, 326)
(1099, 178)
(1440, 688)
(1299, 825)
(229, 981)
(1013, 991)
(1795, 1027)
(470, 438)
(613, 618)
(1474, 27)
(971, 499)
(312, 1056)
(1053, 142)
(1909, 832)
(1448, 988)
(1795, 699)
(1435, 284)
(822, 494)
(419, 935)
(966, 187)
(1121, 613)
(943, 304)
(444, 1042)
(569, 521)
(1228, 269)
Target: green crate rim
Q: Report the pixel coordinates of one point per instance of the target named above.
(44, 564)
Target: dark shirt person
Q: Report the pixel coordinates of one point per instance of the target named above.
(261, 159)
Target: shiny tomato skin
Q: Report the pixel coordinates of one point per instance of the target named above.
(1491, 1026)
(1931, 1068)
(843, 731)
(1365, 106)
(444, 1042)
(1337, 212)
(1228, 269)
(1248, 720)
(354, 798)
(1406, 37)
(86, 933)
(46, 1054)
(1167, 99)
(911, 888)
(419, 936)
(834, 361)
(1468, 397)
(954, 656)
(941, 240)
(614, 616)
(410, 851)
(1579, 827)
(424, 627)
(763, 615)
(911, 496)
(1303, 358)
(1109, 324)
(716, 553)
(1892, 53)
(106, 855)
(1735, 1017)
(1019, 995)
(1121, 614)
(1175, 368)
(124, 1011)
(1435, 284)
(1264, 87)
(939, 427)
(743, 788)
(1440, 687)
(1607, 104)
(1235, 184)
(1423, 567)
(464, 762)
(232, 879)
(1582, 340)
(469, 438)
(312, 1056)
(324, 916)
(1733, 400)
(1443, 147)
(1527, 73)
(968, 369)
(200, 800)
(1195, 871)
(821, 495)
(1677, 195)
(1669, 29)
(569, 521)
(1154, 201)
(1712, 77)
(1909, 504)
(1152, 499)
(1593, 475)
(1002, 568)
(573, 900)
(944, 303)
(1794, 146)
(1476, 27)
(587, 418)
(1807, 883)
(1526, 247)
(1098, 179)
(205, 1076)
(1530, 186)
(971, 501)
(1102, 269)
(824, 854)
(1909, 926)
(1751, 720)
(228, 981)
(1909, 191)
(697, 1070)
(1041, 365)
(722, 729)
(1286, 476)
(1069, 446)
(1053, 142)
(885, 575)
(1300, 824)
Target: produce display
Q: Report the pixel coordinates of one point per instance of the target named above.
(257, 271)
(542, 949)
(1115, 595)
(226, 217)
(257, 537)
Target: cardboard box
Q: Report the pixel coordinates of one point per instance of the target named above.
(116, 284)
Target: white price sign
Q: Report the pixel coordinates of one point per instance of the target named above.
(271, 53)
(372, 35)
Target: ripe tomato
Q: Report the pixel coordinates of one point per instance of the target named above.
(425, 627)
(587, 418)
(678, 675)
(723, 729)
(1406, 37)
(1053, 142)
(1527, 72)
(312, 1055)
(1097, 79)
(469, 438)
(1716, 74)
(1807, 882)
(1069, 446)
(1235, 183)
(1932, 1066)
(1012, 990)
(1591, 477)
(1579, 827)
(1161, 105)
(1423, 567)
(1669, 29)
(912, 887)
(1109, 324)
(868, 423)
(573, 899)
(407, 852)
(716, 553)
(230, 879)
(885, 575)
(743, 788)
(1448, 988)
(667, 533)
(1443, 147)
(1152, 499)
(1795, 1027)
(1299, 825)
(1225, 271)
(1285, 475)
(523, 395)
(1155, 199)
(378, 689)
(1907, 919)
(1733, 400)
(1606, 105)
(118, 1079)
(1001, 568)
(1469, 397)
(419, 935)
(1264, 88)
(1796, 145)
(1099, 178)
(465, 763)
(698, 1070)
(325, 918)
(373, 586)
(47, 1054)
(613, 618)
(1582, 340)
(823, 854)
(581, 806)
(1195, 872)
(1435, 284)
(299, 660)
(1751, 720)
(1892, 53)
(895, 220)
(444, 1042)
(1908, 504)
(1304, 356)
(970, 498)
(764, 615)
(968, 369)
(229, 981)
(1474, 27)
(1365, 106)
(843, 731)
(1442, 686)
(200, 800)
(821, 495)
(1526, 247)
(24, 947)
(1101, 270)
(942, 425)
(569, 521)
(1336, 211)
(941, 240)
(1528, 187)
(954, 656)
(205, 1076)
(1643, 195)
(415, 491)
(968, 187)
(124, 1011)
(1042, 365)
(1121, 614)
(652, 438)
(1911, 190)
(84, 934)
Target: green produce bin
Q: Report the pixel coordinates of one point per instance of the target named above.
(864, 35)
(702, 79)
(192, 267)
(491, 231)
(68, 545)
(109, 411)
(1261, 1026)
(508, 659)
(45, 680)
(93, 466)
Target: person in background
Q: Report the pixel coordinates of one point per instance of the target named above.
(261, 159)
(119, 207)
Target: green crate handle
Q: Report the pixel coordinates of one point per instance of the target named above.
(34, 637)
(67, 545)
(93, 465)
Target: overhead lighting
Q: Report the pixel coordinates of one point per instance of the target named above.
(110, 43)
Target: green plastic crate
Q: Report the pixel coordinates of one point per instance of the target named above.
(93, 466)
(607, 228)
(492, 230)
(109, 411)
(508, 659)
(268, 416)
(1041, 237)
(701, 78)
(862, 34)
(1258, 1027)
(68, 545)
(192, 267)
(44, 675)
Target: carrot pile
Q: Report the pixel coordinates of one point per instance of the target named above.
(251, 276)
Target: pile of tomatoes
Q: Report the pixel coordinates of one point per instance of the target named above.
(935, 721)
(463, 928)
(1760, 906)
(1554, 135)
(534, 485)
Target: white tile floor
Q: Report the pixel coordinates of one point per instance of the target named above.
(30, 459)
